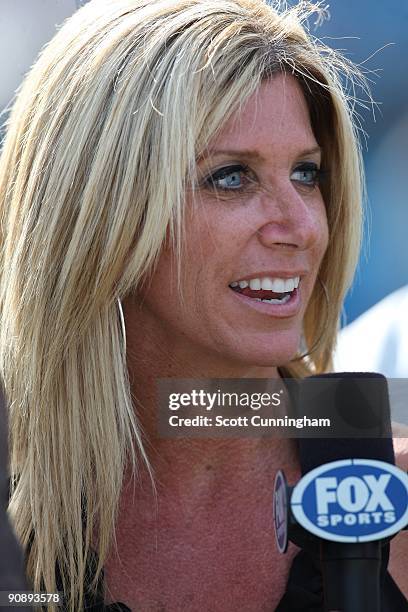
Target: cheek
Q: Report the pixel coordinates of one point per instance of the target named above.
(207, 260)
(212, 241)
(173, 298)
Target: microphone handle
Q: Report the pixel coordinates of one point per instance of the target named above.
(351, 576)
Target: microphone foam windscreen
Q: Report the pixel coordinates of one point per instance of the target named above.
(358, 405)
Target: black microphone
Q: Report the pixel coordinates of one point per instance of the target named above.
(358, 403)
(351, 499)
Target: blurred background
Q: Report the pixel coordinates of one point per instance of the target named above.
(373, 34)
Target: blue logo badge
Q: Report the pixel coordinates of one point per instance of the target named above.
(354, 500)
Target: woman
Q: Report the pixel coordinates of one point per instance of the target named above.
(163, 156)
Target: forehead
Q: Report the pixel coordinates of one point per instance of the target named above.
(273, 119)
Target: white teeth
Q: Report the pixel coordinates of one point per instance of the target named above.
(278, 285)
(267, 284)
(255, 284)
(285, 299)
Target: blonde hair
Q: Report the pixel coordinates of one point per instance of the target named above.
(128, 93)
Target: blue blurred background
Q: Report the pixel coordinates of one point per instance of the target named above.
(383, 264)
(362, 28)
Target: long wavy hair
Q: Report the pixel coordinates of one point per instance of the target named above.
(128, 93)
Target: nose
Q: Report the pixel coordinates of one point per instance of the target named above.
(292, 217)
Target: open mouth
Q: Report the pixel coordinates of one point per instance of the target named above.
(268, 290)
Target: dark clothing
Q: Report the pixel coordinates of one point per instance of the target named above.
(11, 559)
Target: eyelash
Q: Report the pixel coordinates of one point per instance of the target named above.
(222, 173)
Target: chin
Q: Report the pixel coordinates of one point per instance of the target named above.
(274, 350)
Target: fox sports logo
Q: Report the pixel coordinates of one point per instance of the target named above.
(354, 500)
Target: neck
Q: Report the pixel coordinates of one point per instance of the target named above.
(151, 355)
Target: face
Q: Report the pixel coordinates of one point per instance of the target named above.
(256, 233)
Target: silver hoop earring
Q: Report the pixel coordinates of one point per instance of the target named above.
(122, 323)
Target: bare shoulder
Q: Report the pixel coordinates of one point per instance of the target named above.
(399, 545)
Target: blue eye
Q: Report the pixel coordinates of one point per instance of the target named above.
(228, 178)
(308, 174)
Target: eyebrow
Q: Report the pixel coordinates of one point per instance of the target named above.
(253, 154)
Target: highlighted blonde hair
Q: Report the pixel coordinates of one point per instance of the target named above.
(128, 93)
